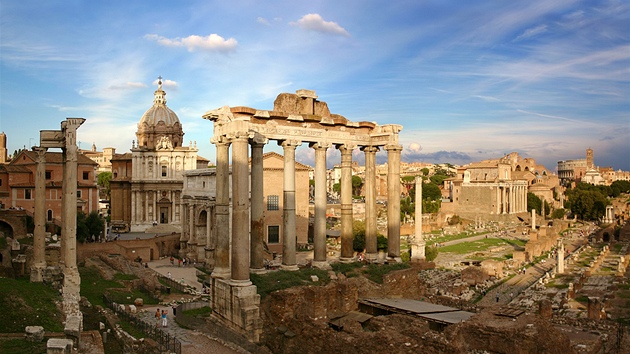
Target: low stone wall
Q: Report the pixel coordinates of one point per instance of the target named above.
(147, 249)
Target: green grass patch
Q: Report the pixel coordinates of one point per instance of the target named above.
(199, 312)
(93, 286)
(346, 268)
(127, 297)
(582, 299)
(28, 304)
(375, 272)
(557, 285)
(122, 276)
(284, 279)
(459, 236)
(131, 329)
(20, 346)
(474, 246)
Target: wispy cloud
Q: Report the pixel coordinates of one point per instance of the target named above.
(212, 42)
(263, 21)
(314, 22)
(127, 86)
(531, 32)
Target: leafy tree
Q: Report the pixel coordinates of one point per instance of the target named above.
(431, 191)
(357, 183)
(588, 204)
(618, 187)
(431, 253)
(430, 206)
(102, 179)
(88, 225)
(425, 171)
(408, 179)
(358, 235)
(558, 213)
(533, 202)
(337, 187)
(381, 243)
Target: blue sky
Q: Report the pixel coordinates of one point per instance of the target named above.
(467, 80)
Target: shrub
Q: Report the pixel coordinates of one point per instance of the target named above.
(431, 253)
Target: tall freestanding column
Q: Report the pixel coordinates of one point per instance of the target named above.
(418, 245)
(289, 231)
(39, 234)
(347, 253)
(370, 202)
(560, 257)
(319, 237)
(257, 224)
(222, 257)
(240, 210)
(393, 201)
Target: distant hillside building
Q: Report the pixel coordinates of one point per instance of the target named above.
(102, 158)
(146, 184)
(493, 189)
(572, 171)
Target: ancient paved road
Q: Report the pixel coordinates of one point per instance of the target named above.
(193, 342)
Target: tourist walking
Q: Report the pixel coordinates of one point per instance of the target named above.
(164, 320)
(158, 317)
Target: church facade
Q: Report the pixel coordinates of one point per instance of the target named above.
(146, 184)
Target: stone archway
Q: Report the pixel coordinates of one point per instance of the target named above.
(164, 210)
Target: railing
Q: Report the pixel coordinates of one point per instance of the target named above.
(166, 341)
(172, 283)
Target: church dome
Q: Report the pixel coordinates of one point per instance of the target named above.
(159, 122)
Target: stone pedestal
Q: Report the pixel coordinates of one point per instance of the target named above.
(236, 304)
(34, 333)
(73, 328)
(418, 249)
(59, 346)
(545, 309)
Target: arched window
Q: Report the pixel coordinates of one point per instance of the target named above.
(49, 216)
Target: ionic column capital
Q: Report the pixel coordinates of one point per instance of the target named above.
(41, 154)
(393, 148)
(370, 149)
(319, 146)
(290, 143)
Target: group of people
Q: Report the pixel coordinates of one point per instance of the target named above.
(185, 261)
(160, 316)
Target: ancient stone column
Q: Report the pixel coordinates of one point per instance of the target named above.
(418, 245)
(289, 231)
(533, 219)
(69, 199)
(370, 202)
(319, 234)
(240, 210)
(257, 223)
(39, 234)
(393, 201)
(222, 254)
(560, 257)
(347, 252)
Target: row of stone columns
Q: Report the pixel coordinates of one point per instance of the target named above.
(247, 251)
(511, 199)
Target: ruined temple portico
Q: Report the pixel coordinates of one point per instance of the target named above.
(296, 119)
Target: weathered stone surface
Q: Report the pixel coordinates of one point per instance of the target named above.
(34, 333)
(59, 346)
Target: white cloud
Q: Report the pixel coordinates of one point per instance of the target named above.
(262, 21)
(127, 86)
(212, 42)
(166, 83)
(314, 22)
(414, 147)
(531, 32)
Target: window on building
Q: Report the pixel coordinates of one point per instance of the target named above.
(273, 202)
(86, 175)
(0, 182)
(78, 193)
(163, 171)
(50, 215)
(273, 234)
(27, 194)
(48, 174)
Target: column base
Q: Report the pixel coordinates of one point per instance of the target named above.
(321, 265)
(37, 273)
(394, 260)
(258, 270)
(291, 268)
(221, 273)
(371, 257)
(346, 259)
(239, 283)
